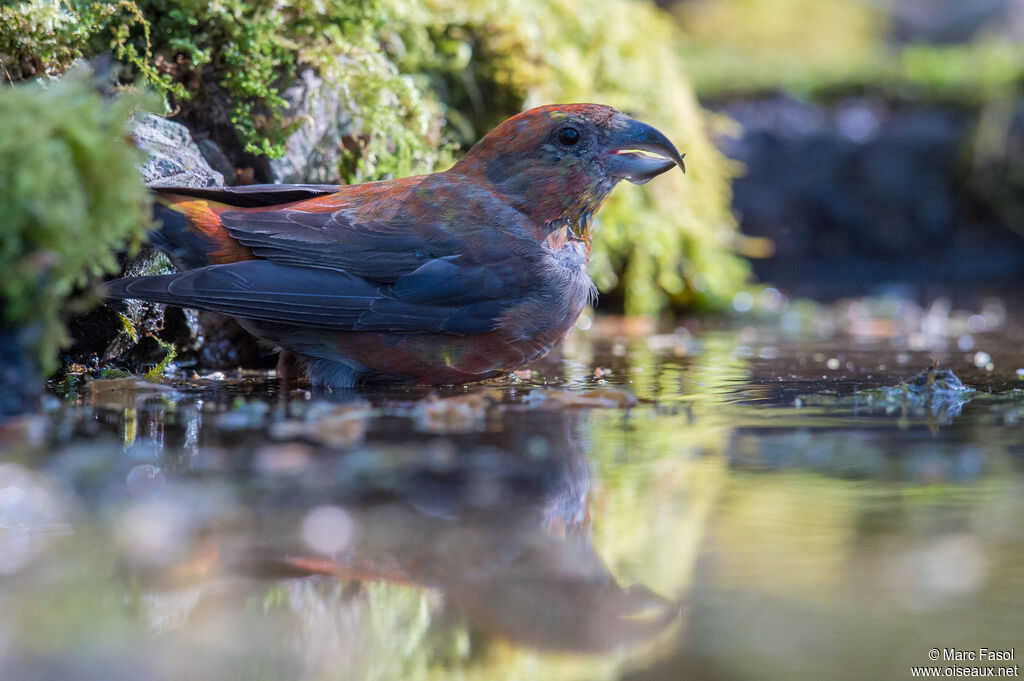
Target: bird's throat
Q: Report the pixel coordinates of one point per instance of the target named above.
(570, 234)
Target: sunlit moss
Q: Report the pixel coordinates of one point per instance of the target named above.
(240, 55)
(170, 353)
(70, 195)
(44, 37)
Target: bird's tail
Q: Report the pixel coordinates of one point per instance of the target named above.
(190, 229)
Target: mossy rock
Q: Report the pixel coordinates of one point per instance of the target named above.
(70, 196)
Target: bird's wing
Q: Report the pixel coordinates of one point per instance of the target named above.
(451, 294)
(374, 249)
(378, 231)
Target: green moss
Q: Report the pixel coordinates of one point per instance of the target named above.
(129, 327)
(70, 195)
(43, 37)
(170, 353)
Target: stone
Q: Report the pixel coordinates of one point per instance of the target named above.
(174, 158)
(313, 151)
(20, 382)
(862, 191)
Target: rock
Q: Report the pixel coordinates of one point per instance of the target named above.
(312, 152)
(226, 345)
(213, 342)
(20, 383)
(174, 158)
(215, 157)
(864, 191)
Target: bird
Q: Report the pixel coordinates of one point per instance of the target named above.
(443, 278)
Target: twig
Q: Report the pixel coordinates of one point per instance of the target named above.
(4, 67)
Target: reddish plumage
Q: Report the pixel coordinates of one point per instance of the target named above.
(441, 278)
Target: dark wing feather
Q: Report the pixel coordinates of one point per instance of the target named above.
(328, 240)
(254, 195)
(330, 299)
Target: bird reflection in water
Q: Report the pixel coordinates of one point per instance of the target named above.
(496, 523)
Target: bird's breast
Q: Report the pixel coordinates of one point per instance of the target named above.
(546, 315)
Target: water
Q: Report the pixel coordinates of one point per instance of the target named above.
(773, 506)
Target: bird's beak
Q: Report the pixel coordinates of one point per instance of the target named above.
(638, 153)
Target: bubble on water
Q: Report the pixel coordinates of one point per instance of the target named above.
(965, 342)
(743, 301)
(1020, 373)
(328, 529)
(769, 353)
(981, 359)
(584, 322)
(772, 300)
(832, 363)
(976, 323)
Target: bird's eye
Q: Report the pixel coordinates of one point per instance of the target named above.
(568, 136)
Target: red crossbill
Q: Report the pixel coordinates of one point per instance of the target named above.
(443, 278)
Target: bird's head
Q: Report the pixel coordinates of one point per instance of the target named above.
(558, 163)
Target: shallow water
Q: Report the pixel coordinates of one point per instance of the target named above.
(774, 506)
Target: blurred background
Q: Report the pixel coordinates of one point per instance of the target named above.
(880, 141)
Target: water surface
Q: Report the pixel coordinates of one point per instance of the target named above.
(760, 501)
